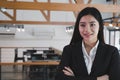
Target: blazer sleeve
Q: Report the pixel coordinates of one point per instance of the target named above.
(114, 70)
(65, 61)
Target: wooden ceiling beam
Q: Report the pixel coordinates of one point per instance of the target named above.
(48, 23)
(57, 6)
(8, 15)
(79, 1)
(89, 1)
(37, 22)
(74, 12)
(15, 15)
(114, 24)
(46, 16)
(115, 14)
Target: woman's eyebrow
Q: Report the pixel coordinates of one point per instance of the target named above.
(92, 22)
(81, 22)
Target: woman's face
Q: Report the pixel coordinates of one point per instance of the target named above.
(88, 28)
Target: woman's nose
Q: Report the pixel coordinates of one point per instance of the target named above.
(87, 28)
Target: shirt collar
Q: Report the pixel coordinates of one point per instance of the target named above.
(93, 49)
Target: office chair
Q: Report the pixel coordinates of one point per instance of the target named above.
(36, 70)
(52, 68)
(17, 58)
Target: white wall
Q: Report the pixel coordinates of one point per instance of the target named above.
(58, 40)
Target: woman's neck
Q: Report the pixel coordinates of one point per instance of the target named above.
(89, 45)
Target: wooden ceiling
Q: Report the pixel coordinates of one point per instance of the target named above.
(48, 6)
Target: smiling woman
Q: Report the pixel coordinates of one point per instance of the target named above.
(88, 57)
(89, 28)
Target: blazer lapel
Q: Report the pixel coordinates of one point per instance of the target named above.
(98, 56)
(81, 60)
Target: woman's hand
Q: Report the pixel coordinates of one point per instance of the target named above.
(68, 71)
(104, 77)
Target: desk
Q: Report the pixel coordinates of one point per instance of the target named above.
(27, 64)
(43, 63)
(48, 62)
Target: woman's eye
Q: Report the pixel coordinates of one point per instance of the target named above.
(82, 25)
(92, 25)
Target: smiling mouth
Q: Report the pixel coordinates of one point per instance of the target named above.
(88, 35)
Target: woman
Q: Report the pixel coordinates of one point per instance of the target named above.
(87, 57)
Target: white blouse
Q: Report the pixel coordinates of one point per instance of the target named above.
(89, 58)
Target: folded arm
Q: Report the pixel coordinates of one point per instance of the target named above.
(68, 72)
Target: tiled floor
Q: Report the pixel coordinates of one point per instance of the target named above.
(9, 73)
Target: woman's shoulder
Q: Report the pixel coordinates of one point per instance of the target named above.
(109, 47)
(108, 50)
(74, 45)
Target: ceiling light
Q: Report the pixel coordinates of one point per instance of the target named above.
(111, 25)
(3, 9)
(69, 29)
(18, 28)
(23, 30)
(8, 29)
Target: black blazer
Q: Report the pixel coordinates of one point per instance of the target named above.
(107, 61)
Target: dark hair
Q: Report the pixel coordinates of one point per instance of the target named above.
(97, 15)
